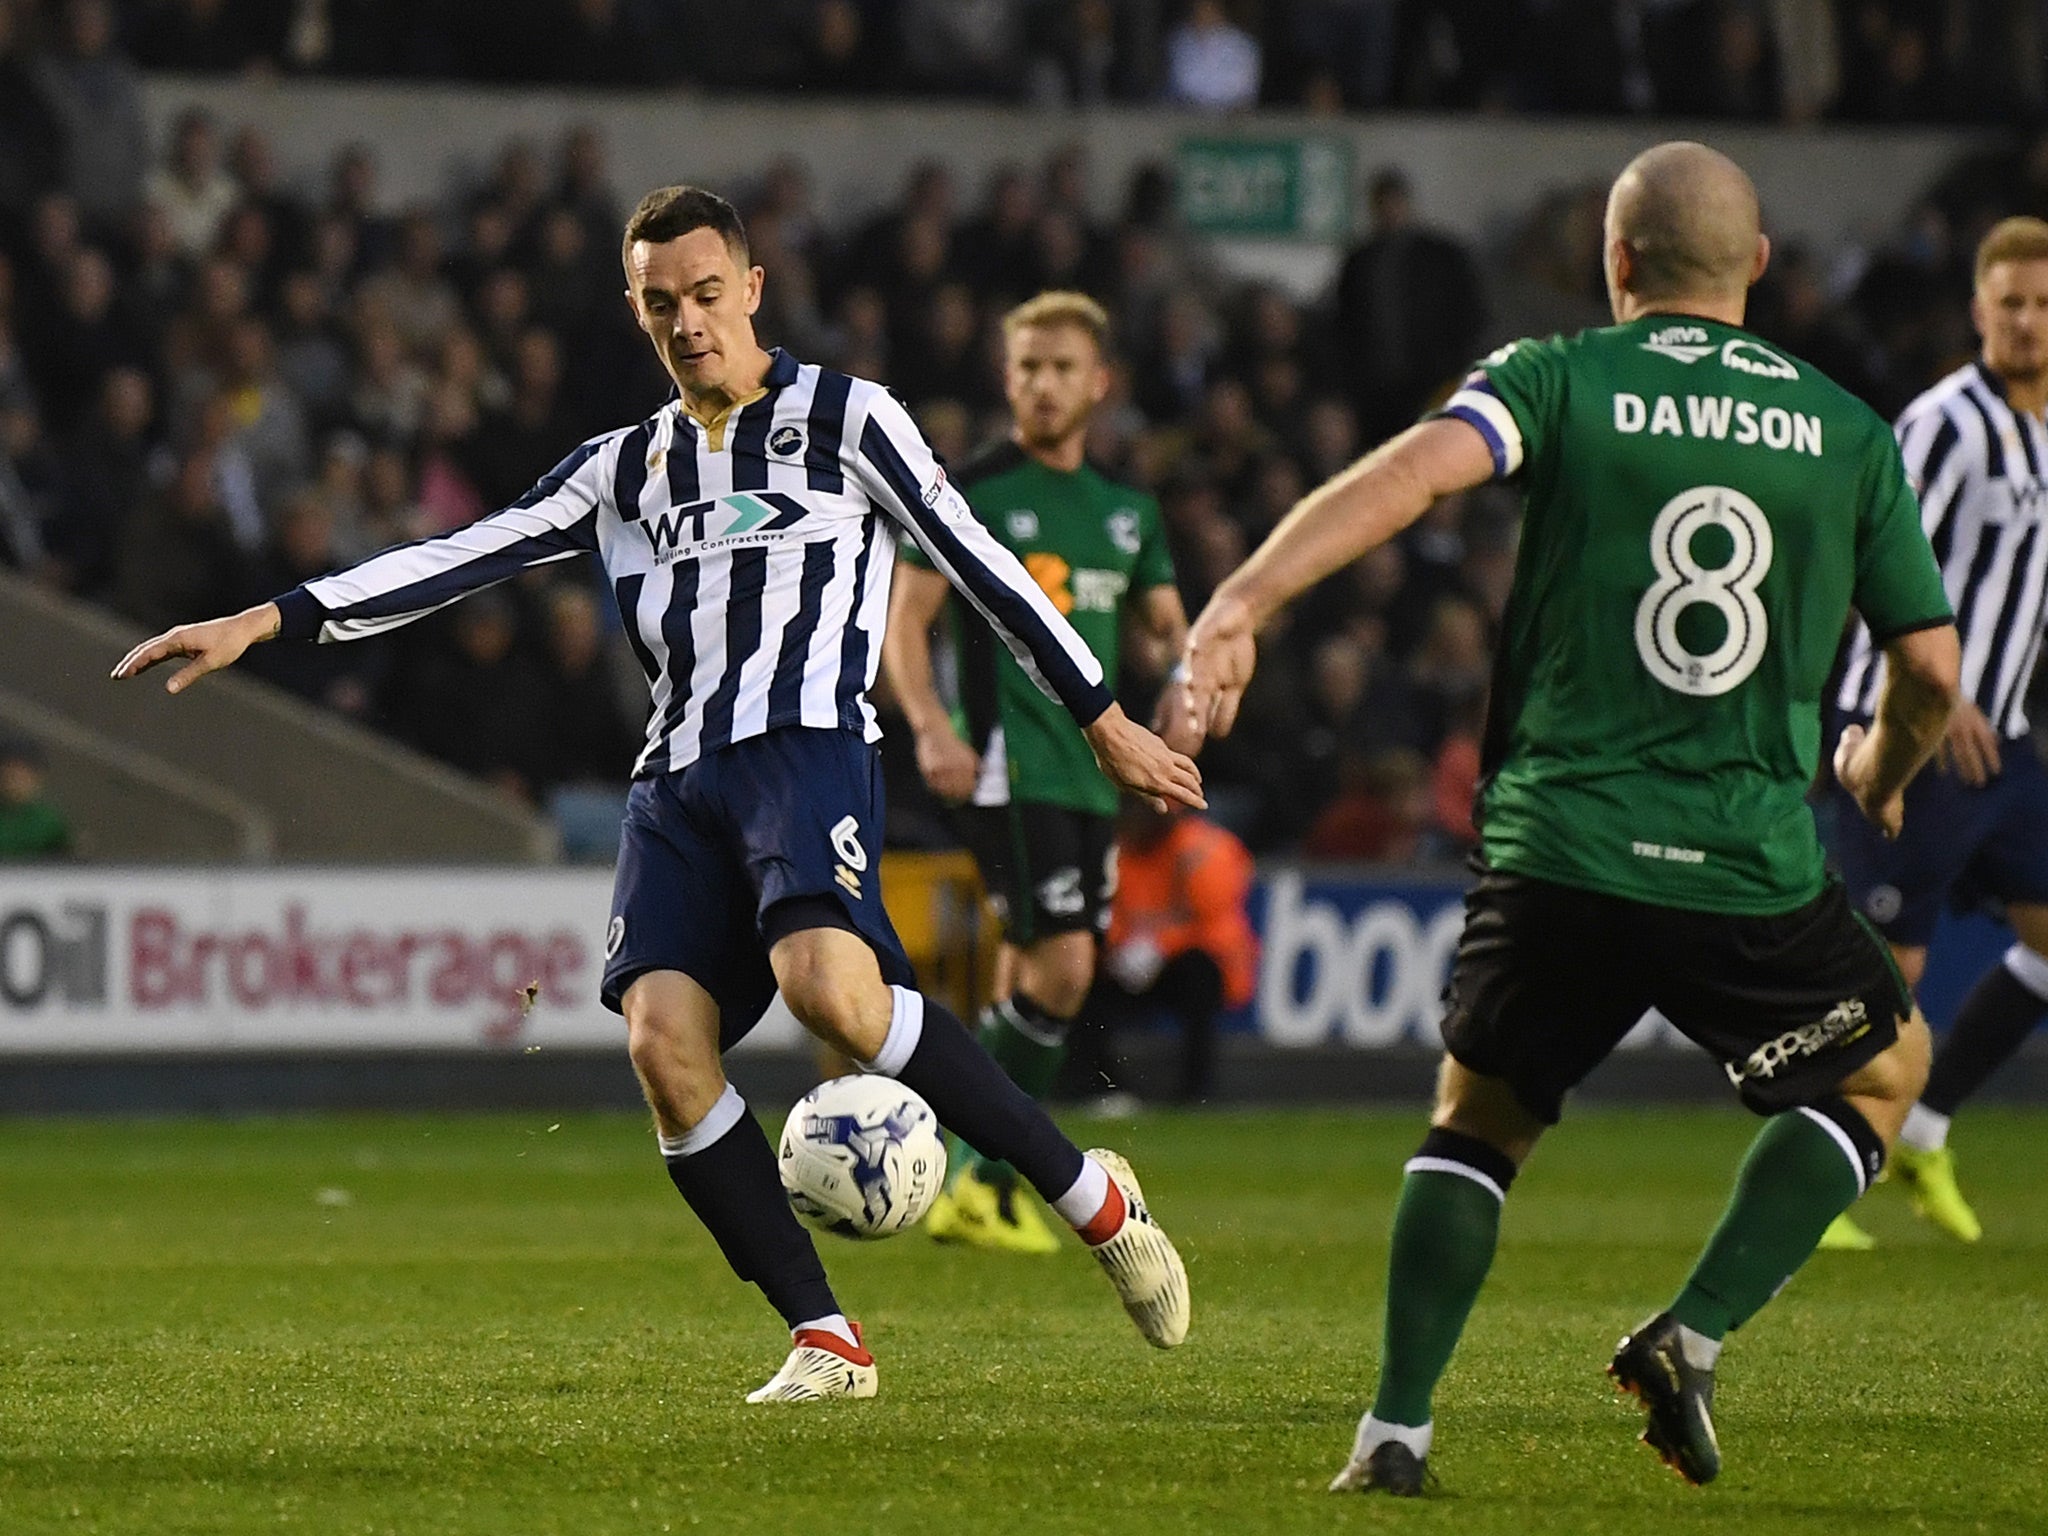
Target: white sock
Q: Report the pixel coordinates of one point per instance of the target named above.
(1080, 1203)
(906, 1028)
(720, 1118)
(1374, 1433)
(836, 1325)
(1924, 1130)
(1700, 1351)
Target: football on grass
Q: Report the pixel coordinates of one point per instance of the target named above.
(862, 1156)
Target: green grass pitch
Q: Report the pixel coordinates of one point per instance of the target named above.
(509, 1325)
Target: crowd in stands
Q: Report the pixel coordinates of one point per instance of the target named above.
(1789, 60)
(216, 381)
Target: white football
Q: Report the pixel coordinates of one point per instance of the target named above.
(862, 1156)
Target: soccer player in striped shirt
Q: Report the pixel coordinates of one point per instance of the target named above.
(748, 530)
(1976, 447)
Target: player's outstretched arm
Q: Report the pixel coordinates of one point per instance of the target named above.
(949, 765)
(1136, 760)
(1922, 685)
(212, 645)
(1354, 511)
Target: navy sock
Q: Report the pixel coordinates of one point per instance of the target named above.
(733, 1187)
(974, 1097)
(1993, 1022)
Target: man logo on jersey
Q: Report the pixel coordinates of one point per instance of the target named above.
(614, 936)
(786, 440)
(1749, 357)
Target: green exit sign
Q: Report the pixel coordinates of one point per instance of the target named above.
(1297, 189)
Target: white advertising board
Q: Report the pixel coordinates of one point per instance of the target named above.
(213, 960)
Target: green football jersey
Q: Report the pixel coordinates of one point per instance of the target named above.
(1090, 543)
(1701, 513)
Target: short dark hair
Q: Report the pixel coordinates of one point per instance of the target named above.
(669, 213)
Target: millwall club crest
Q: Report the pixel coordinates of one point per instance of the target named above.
(786, 441)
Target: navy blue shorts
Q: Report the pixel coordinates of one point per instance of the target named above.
(791, 820)
(1961, 847)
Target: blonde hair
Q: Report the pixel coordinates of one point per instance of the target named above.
(1061, 306)
(2016, 239)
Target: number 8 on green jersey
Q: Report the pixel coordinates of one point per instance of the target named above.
(1701, 513)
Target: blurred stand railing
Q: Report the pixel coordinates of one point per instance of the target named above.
(235, 769)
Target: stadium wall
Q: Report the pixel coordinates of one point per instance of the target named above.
(244, 989)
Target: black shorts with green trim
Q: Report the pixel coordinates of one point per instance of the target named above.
(1049, 869)
(1548, 978)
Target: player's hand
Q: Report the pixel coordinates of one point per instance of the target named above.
(948, 764)
(1969, 748)
(1856, 769)
(212, 645)
(1139, 761)
(1216, 665)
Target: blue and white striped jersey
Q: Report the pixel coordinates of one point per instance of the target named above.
(1981, 472)
(750, 561)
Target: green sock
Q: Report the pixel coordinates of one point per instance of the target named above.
(1029, 1044)
(1794, 1180)
(1444, 1231)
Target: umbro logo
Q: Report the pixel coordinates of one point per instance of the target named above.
(1681, 343)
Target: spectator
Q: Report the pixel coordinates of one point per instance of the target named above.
(209, 37)
(1180, 943)
(343, 678)
(96, 97)
(1409, 313)
(595, 737)
(516, 446)
(31, 140)
(391, 391)
(1451, 669)
(269, 426)
(411, 293)
(191, 187)
(253, 163)
(80, 343)
(963, 45)
(1211, 63)
(1384, 813)
(107, 475)
(311, 358)
(181, 560)
(476, 703)
(30, 826)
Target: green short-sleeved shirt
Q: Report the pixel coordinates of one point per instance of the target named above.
(1090, 543)
(1701, 513)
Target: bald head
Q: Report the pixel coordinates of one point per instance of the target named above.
(1682, 225)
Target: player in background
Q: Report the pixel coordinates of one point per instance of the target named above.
(1976, 449)
(1036, 811)
(1701, 512)
(748, 531)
